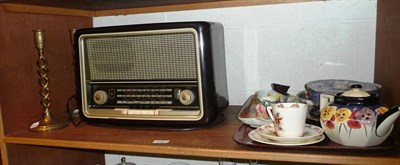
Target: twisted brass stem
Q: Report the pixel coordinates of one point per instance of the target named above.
(43, 81)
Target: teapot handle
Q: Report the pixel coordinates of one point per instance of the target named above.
(324, 99)
(386, 120)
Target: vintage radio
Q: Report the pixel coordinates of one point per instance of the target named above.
(152, 74)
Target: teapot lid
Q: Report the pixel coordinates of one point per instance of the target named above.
(356, 92)
(357, 97)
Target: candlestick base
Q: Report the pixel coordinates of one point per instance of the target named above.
(47, 123)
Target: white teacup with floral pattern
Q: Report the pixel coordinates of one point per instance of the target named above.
(289, 118)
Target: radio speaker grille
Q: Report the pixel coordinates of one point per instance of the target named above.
(142, 57)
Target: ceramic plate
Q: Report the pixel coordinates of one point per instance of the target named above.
(310, 132)
(255, 122)
(253, 135)
(248, 114)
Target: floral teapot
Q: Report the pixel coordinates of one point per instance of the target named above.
(356, 118)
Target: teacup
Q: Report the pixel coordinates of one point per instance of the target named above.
(289, 118)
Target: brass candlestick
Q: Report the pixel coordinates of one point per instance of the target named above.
(72, 33)
(73, 104)
(48, 122)
(72, 38)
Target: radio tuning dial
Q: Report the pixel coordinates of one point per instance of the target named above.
(100, 97)
(186, 97)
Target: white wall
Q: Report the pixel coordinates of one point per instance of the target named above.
(284, 43)
(290, 44)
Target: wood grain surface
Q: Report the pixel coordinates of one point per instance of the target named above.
(90, 8)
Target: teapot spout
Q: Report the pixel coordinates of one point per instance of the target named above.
(386, 120)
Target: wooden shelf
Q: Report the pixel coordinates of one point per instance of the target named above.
(93, 8)
(213, 142)
(20, 107)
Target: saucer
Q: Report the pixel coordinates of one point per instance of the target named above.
(310, 132)
(253, 135)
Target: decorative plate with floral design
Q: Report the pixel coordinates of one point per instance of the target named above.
(254, 113)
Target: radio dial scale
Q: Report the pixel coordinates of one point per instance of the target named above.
(142, 96)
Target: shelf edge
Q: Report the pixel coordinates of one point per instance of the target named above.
(194, 6)
(204, 152)
(37, 9)
(34, 9)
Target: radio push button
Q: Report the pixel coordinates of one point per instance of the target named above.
(100, 97)
(123, 111)
(186, 97)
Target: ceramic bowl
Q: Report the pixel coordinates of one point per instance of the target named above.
(262, 95)
(313, 109)
(335, 86)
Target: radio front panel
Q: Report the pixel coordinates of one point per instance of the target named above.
(173, 73)
(118, 65)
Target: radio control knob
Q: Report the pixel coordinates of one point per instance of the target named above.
(186, 97)
(100, 97)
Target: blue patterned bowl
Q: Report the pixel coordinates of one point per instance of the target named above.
(335, 86)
